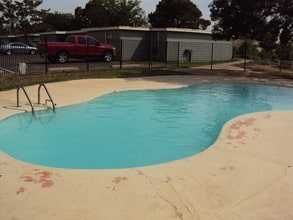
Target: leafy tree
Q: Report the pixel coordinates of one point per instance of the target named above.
(282, 17)
(247, 48)
(237, 18)
(80, 19)
(20, 16)
(1, 25)
(262, 20)
(102, 13)
(59, 21)
(268, 40)
(8, 17)
(179, 14)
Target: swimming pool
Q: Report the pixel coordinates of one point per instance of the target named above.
(135, 128)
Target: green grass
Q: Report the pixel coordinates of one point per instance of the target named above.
(194, 64)
(268, 70)
(14, 81)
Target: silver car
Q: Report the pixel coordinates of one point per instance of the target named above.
(17, 47)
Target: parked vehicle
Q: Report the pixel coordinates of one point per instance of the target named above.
(77, 46)
(17, 47)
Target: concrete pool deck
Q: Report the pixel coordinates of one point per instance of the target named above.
(246, 174)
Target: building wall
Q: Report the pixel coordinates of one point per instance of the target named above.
(135, 45)
(133, 42)
(167, 44)
(135, 49)
(193, 46)
(159, 45)
(54, 37)
(199, 51)
(164, 45)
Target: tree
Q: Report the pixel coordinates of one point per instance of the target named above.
(237, 18)
(179, 14)
(59, 21)
(103, 13)
(262, 20)
(2, 31)
(80, 19)
(20, 16)
(8, 18)
(281, 14)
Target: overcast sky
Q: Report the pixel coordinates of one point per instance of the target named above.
(147, 5)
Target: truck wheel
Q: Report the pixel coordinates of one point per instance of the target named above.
(62, 57)
(108, 56)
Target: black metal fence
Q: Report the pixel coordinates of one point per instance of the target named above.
(260, 60)
(134, 53)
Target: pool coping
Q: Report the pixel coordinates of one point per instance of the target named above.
(245, 174)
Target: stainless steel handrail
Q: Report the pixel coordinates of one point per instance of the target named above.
(50, 98)
(24, 91)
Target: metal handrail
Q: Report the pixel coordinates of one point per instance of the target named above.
(50, 98)
(17, 92)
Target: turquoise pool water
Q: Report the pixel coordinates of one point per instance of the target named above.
(135, 128)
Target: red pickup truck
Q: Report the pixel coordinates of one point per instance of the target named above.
(77, 46)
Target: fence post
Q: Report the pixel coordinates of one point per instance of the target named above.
(87, 54)
(46, 55)
(212, 56)
(121, 52)
(166, 51)
(178, 54)
(245, 55)
(281, 58)
(150, 50)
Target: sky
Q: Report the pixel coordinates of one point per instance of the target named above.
(147, 5)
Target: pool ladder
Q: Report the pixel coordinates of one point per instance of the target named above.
(47, 100)
(26, 95)
(42, 85)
